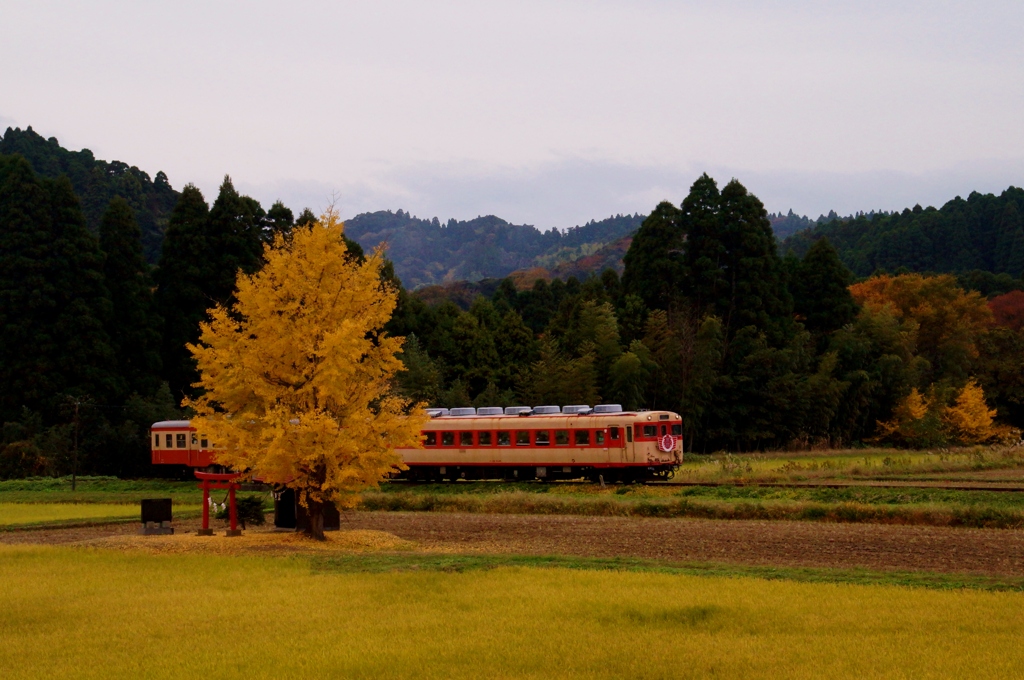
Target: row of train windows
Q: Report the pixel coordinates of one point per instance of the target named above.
(522, 437)
(179, 441)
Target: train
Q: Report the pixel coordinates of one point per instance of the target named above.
(603, 443)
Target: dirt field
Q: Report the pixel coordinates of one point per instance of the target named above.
(808, 544)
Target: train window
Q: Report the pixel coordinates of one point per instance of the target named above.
(650, 430)
(613, 434)
(543, 438)
(677, 430)
(431, 439)
(181, 441)
(484, 438)
(504, 438)
(522, 437)
(156, 441)
(582, 437)
(562, 437)
(447, 439)
(599, 437)
(195, 439)
(169, 441)
(629, 433)
(664, 430)
(204, 443)
(465, 439)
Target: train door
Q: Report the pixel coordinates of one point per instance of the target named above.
(628, 451)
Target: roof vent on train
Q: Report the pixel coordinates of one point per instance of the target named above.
(435, 412)
(576, 408)
(546, 410)
(518, 410)
(490, 411)
(463, 411)
(608, 408)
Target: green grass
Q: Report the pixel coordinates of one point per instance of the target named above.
(33, 514)
(101, 614)
(96, 490)
(391, 562)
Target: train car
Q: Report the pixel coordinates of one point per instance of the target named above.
(547, 442)
(176, 442)
(516, 443)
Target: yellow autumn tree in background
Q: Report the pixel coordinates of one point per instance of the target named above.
(969, 419)
(296, 376)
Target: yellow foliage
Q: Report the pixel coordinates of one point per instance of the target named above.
(906, 418)
(944, 320)
(923, 421)
(296, 377)
(969, 419)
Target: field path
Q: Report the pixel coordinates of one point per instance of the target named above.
(998, 552)
(779, 543)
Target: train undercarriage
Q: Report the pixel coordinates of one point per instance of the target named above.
(605, 474)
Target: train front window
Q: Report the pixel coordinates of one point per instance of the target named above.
(543, 438)
(562, 437)
(204, 443)
(169, 441)
(181, 441)
(447, 439)
(195, 439)
(522, 437)
(650, 430)
(582, 437)
(504, 438)
(677, 430)
(664, 430)
(430, 439)
(599, 437)
(484, 438)
(465, 439)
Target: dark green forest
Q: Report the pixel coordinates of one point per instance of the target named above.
(983, 234)
(755, 350)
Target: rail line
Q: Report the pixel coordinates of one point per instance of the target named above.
(943, 486)
(846, 485)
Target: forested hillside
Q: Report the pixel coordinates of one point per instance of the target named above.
(96, 182)
(427, 252)
(754, 349)
(984, 232)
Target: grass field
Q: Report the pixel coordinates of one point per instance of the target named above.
(96, 490)
(23, 514)
(104, 613)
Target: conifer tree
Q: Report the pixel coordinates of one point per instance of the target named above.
(134, 325)
(654, 266)
(182, 286)
(820, 287)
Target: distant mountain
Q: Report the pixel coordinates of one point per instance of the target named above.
(428, 252)
(96, 182)
(982, 233)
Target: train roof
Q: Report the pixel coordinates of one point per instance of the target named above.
(171, 425)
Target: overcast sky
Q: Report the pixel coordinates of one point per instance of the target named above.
(548, 113)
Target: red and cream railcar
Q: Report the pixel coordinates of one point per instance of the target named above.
(176, 442)
(614, 446)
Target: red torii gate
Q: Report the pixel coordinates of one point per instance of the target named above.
(216, 480)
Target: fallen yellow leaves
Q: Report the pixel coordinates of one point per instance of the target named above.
(258, 542)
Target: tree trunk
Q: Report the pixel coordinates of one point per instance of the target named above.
(315, 530)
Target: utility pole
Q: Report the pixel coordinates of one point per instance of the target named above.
(74, 456)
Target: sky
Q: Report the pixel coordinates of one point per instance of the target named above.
(544, 113)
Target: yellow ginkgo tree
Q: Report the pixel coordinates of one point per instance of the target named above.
(296, 376)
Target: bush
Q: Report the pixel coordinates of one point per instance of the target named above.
(250, 511)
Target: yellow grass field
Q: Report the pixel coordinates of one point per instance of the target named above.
(41, 513)
(104, 613)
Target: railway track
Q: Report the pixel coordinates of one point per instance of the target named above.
(945, 486)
